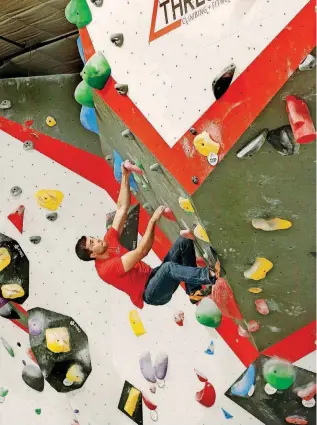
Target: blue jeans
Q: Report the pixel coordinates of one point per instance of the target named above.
(178, 266)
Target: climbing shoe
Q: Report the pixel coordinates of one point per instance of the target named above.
(199, 294)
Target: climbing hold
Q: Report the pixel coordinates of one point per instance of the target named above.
(97, 3)
(272, 224)
(259, 269)
(262, 307)
(151, 406)
(186, 233)
(117, 39)
(136, 323)
(122, 89)
(15, 191)
(7, 346)
(193, 131)
(211, 348)
(58, 340)
(146, 367)
(168, 214)
(283, 141)
(3, 393)
(17, 217)
(195, 180)
(117, 162)
(213, 159)
(155, 167)
(280, 374)
(208, 314)
(153, 388)
(160, 367)
(253, 326)
(207, 396)
(200, 376)
(132, 167)
(296, 420)
(307, 392)
(52, 216)
(308, 63)
(179, 317)
(49, 199)
(96, 71)
(5, 258)
(223, 80)
(243, 332)
(28, 123)
(244, 385)
(300, 120)
(38, 411)
(227, 414)
(12, 291)
(33, 377)
(84, 95)
(309, 403)
(28, 145)
(201, 233)
(75, 374)
(109, 158)
(205, 145)
(88, 119)
(127, 134)
(77, 12)
(36, 324)
(5, 104)
(185, 204)
(50, 121)
(255, 290)
(252, 147)
(35, 239)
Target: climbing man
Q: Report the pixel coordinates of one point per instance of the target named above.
(125, 269)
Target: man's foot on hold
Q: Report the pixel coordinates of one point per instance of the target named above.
(199, 294)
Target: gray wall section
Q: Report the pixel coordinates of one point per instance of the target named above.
(267, 185)
(35, 98)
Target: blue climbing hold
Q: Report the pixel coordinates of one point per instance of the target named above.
(243, 386)
(117, 161)
(211, 348)
(88, 119)
(81, 50)
(227, 414)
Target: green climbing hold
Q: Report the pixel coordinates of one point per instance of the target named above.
(280, 374)
(3, 392)
(96, 71)
(208, 314)
(77, 12)
(38, 411)
(83, 95)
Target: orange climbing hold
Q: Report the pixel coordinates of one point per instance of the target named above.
(300, 120)
(17, 218)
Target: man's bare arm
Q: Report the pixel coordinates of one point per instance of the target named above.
(123, 202)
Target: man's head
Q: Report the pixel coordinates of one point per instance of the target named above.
(88, 248)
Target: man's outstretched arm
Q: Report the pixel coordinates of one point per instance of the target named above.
(123, 202)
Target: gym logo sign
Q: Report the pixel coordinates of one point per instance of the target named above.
(169, 15)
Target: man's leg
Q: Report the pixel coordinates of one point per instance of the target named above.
(182, 252)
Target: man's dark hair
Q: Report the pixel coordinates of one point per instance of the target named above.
(82, 252)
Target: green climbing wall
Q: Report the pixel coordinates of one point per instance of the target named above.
(267, 185)
(35, 98)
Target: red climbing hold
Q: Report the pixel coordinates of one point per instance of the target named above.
(200, 376)
(168, 213)
(132, 167)
(297, 420)
(253, 326)
(28, 123)
(300, 120)
(262, 306)
(242, 332)
(17, 217)
(308, 392)
(223, 296)
(207, 396)
(148, 403)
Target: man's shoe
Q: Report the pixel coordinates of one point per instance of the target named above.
(199, 294)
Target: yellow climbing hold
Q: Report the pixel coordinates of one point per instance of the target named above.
(57, 340)
(270, 225)
(50, 121)
(201, 233)
(12, 291)
(5, 258)
(49, 199)
(185, 205)
(136, 323)
(205, 145)
(259, 269)
(75, 374)
(255, 290)
(132, 401)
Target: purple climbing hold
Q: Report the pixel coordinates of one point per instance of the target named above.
(36, 324)
(160, 366)
(146, 367)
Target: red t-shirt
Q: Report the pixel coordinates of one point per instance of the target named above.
(112, 272)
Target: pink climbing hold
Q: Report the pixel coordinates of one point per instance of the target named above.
(207, 396)
(308, 392)
(168, 213)
(300, 120)
(200, 376)
(188, 234)
(253, 326)
(262, 307)
(296, 420)
(242, 332)
(179, 318)
(132, 167)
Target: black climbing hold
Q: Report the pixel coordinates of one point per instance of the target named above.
(97, 3)
(117, 39)
(35, 239)
(109, 157)
(5, 104)
(283, 141)
(195, 179)
(16, 191)
(155, 167)
(28, 145)
(193, 131)
(127, 134)
(52, 216)
(18, 344)
(24, 362)
(223, 80)
(33, 377)
(122, 89)
(251, 148)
